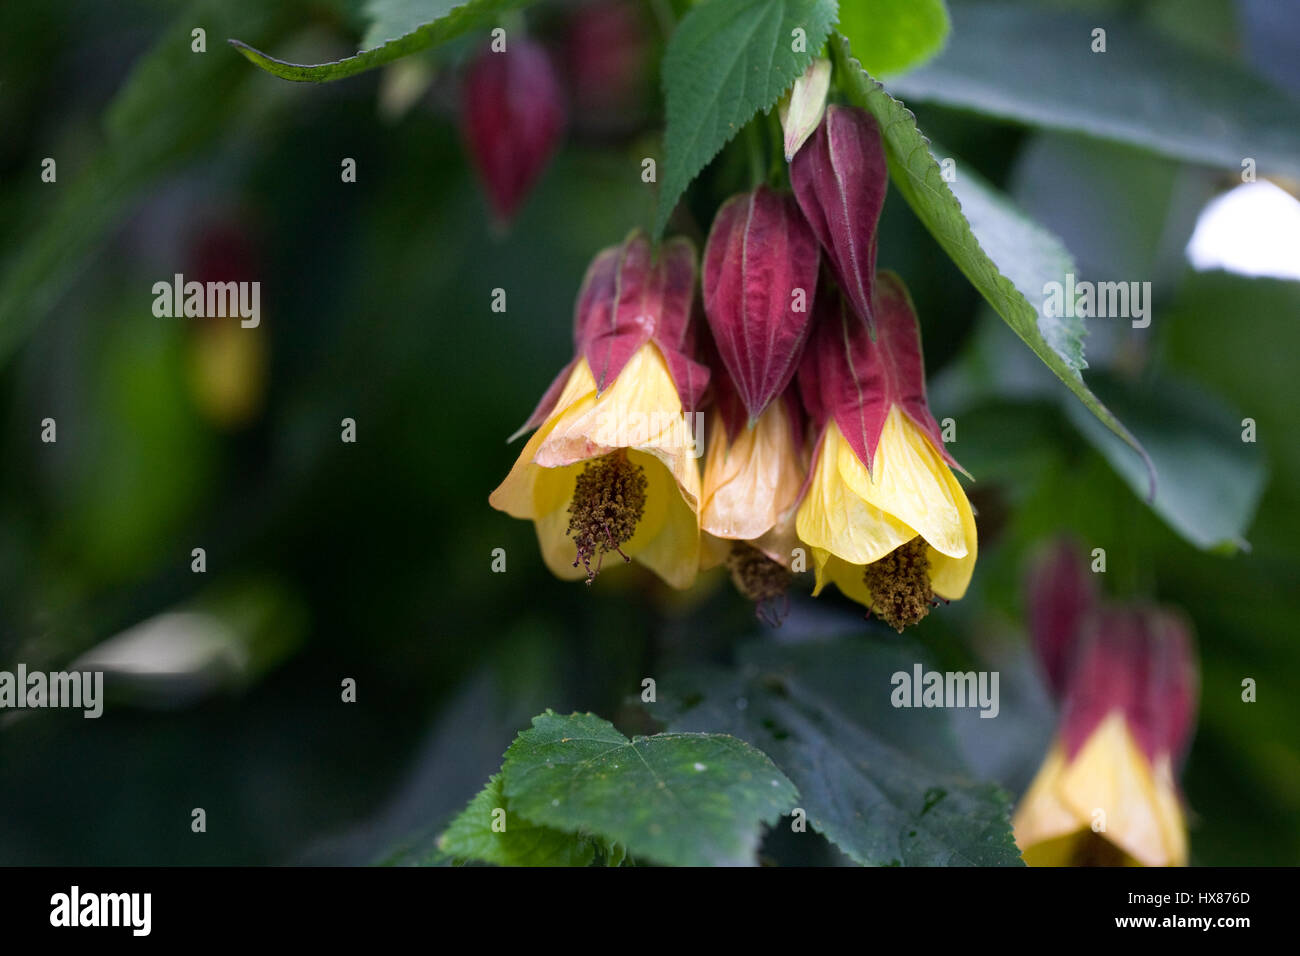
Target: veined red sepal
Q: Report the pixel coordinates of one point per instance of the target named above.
(839, 179)
(630, 297)
(848, 378)
(759, 282)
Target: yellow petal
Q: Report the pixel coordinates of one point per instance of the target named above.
(667, 541)
(949, 577)
(834, 518)
(847, 577)
(640, 411)
(750, 483)
(910, 481)
(530, 491)
(1110, 788)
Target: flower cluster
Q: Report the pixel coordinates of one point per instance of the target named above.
(820, 441)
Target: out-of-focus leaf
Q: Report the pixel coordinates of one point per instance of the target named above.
(1210, 479)
(726, 61)
(683, 799)
(890, 36)
(1007, 257)
(884, 784)
(1037, 66)
(472, 15)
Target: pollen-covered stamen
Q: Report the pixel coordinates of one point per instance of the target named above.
(900, 585)
(608, 502)
(760, 579)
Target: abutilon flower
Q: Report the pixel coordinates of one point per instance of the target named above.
(511, 115)
(802, 108)
(612, 465)
(883, 515)
(227, 363)
(1107, 793)
(840, 178)
(759, 282)
(752, 478)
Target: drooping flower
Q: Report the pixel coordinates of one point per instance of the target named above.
(612, 466)
(759, 283)
(1107, 793)
(883, 515)
(840, 179)
(511, 115)
(802, 108)
(753, 474)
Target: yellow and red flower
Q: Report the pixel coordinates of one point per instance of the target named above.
(1107, 793)
(612, 466)
(885, 518)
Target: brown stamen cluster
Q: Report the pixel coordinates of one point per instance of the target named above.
(608, 502)
(900, 585)
(760, 579)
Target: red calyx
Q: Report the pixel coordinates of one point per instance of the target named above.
(840, 178)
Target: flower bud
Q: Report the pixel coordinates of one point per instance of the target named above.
(839, 179)
(1061, 599)
(511, 115)
(760, 278)
(802, 108)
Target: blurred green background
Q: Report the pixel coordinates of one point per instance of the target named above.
(372, 560)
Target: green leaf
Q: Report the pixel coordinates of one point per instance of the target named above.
(1037, 67)
(890, 36)
(884, 784)
(471, 836)
(726, 61)
(681, 799)
(1210, 479)
(473, 15)
(390, 19)
(1007, 257)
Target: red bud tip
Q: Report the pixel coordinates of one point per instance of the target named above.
(839, 178)
(511, 116)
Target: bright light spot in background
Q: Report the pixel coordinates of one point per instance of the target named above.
(1253, 230)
